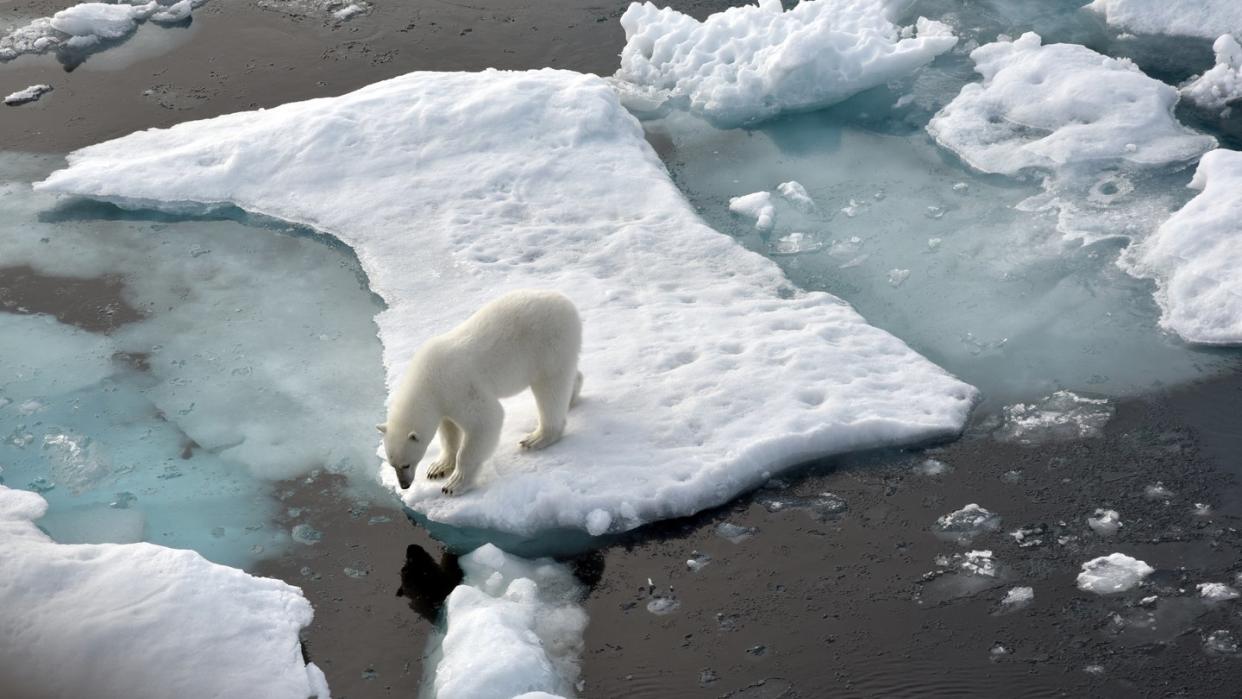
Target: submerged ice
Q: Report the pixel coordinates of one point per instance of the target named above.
(705, 369)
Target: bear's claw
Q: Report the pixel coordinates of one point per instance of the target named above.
(439, 470)
(538, 440)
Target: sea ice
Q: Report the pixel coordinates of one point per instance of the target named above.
(757, 206)
(1105, 522)
(89, 26)
(74, 615)
(750, 63)
(1064, 415)
(512, 626)
(967, 523)
(1203, 18)
(29, 94)
(1222, 83)
(1113, 573)
(797, 195)
(1018, 597)
(705, 369)
(1216, 592)
(1076, 115)
(1196, 256)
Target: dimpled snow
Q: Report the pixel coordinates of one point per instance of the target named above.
(513, 626)
(1196, 256)
(93, 620)
(1203, 18)
(750, 63)
(705, 370)
(1092, 123)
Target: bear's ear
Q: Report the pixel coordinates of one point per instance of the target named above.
(413, 437)
(383, 429)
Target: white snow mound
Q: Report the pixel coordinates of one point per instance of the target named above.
(139, 620)
(750, 63)
(1196, 256)
(1049, 107)
(513, 626)
(704, 370)
(1222, 83)
(1202, 18)
(756, 205)
(1113, 573)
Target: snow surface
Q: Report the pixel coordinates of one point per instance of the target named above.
(1196, 256)
(513, 626)
(1221, 84)
(705, 371)
(1113, 573)
(750, 63)
(94, 620)
(1203, 18)
(1095, 128)
(29, 94)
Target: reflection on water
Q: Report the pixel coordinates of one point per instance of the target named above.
(426, 582)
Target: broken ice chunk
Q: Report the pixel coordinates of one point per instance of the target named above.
(1113, 573)
(1216, 592)
(1105, 522)
(967, 523)
(756, 205)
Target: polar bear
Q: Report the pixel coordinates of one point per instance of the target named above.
(455, 381)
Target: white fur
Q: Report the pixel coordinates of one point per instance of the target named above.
(523, 339)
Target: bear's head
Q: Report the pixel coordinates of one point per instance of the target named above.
(404, 449)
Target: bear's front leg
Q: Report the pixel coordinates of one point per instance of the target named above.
(479, 437)
(450, 442)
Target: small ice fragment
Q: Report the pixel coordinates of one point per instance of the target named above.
(708, 677)
(1202, 509)
(758, 650)
(851, 210)
(379, 519)
(998, 650)
(1018, 597)
(933, 244)
(1105, 522)
(348, 12)
(356, 573)
(967, 523)
(935, 212)
(598, 522)
(756, 205)
(1094, 669)
(733, 532)
(932, 467)
(979, 563)
(796, 194)
(960, 187)
(1061, 416)
(306, 534)
(897, 277)
(30, 94)
(796, 244)
(1216, 592)
(1157, 491)
(1148, 600)
(1113, 573)
(1220, 642)
(697, 561)
(903, 101)
(663, 605)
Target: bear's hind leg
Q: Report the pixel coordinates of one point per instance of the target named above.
(450, 442)
(552, 398)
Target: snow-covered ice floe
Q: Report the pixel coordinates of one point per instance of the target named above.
(1202, 18)
(1113, 573)
(1196, 256)
(705, 371)
(29, 94)
(1087, 122)
(513, 626)
(750, 63)
(1222, 83)
(88, 26)
(95, 620)
(1216, 592)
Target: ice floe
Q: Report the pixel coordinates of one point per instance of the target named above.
(967, 523)
(29, 94)
(513, 626)
(1082, 119)
(1203, 18)
(1018, 597)
(704, 369)
(750, 63)
(1196, 256)
(757, 206)
(89, 26)
(1216, 592)
(1105, 522)
(1221, 84)
(96, 620)
(1064, 415)
(1113, 573)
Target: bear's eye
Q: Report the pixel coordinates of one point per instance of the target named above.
(413, 437)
